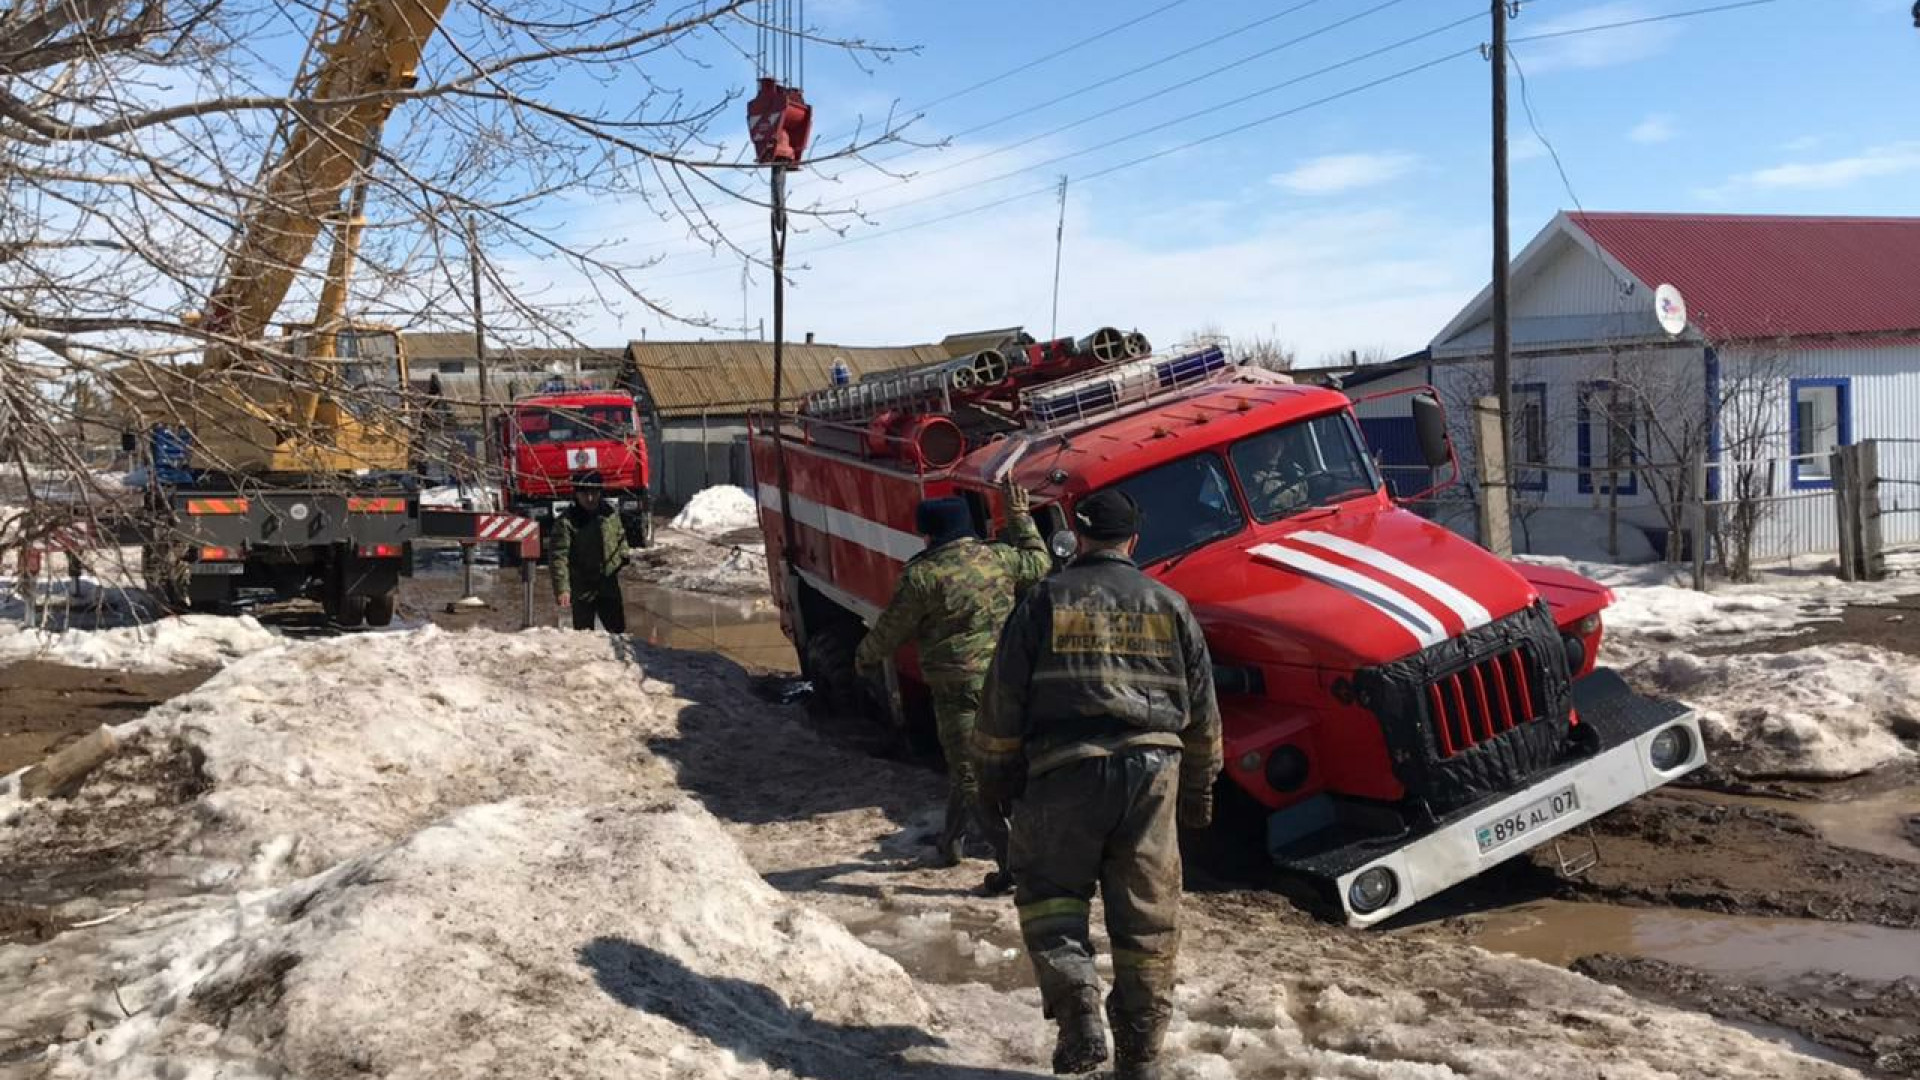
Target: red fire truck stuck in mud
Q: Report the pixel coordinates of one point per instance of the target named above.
(547, 439)
(1406, 709)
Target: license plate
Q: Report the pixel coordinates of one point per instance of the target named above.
(1530, 818)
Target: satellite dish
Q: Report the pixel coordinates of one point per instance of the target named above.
(1671, 309)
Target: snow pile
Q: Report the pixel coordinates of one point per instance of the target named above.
(1672, 613)
(717, 511)
(508, 940)
(454, 496)
(1825, 712)
(446, 855)
(188, 641)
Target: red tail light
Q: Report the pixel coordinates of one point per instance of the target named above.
(379, 551)
(219, 554)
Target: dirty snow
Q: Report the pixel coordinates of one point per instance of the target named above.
(1818, 713)
(475, 855)
(717, 511)
(171, 644)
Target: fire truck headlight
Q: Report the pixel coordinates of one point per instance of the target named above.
(1576, 653)
(1671, 748)
(1063, 544)
(1372, 890)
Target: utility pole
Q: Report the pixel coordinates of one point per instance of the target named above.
(479, 347)
(1502, 325)
(1059, 242)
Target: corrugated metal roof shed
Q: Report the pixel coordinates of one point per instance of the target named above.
(735, 377)
(1750, 277)
(435, 346)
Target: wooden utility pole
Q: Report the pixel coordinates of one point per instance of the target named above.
(1490, 450)
(1502, 326)
(480, 347)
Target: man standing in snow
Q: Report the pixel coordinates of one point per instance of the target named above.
(1100, 720)
(951, 601)
(589, 549)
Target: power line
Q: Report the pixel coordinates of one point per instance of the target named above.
(1237, 129)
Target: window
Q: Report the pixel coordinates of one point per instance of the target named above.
(453, 367)
(594, 422)
(1530, 435)
(1612, 433)
(1309, 463)
(1183, 504)
(1821, 421)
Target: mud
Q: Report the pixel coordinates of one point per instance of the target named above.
(43, 706)
(1893, 625)
(1682, 852)
(1873, 1025)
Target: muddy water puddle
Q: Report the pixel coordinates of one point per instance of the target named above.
(1877, 823)
(1760, 950)
(949, 947)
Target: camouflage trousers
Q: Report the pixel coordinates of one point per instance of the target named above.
(956, 705)
(1106, 822)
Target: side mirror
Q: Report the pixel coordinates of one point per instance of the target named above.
(1430, 425)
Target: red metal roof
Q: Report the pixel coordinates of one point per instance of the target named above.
(1750, 277)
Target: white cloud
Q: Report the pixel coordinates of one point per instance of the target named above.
(1598, 49)
(1894, 159)
(1345, 172)
(1525, 148)
(1657, 128)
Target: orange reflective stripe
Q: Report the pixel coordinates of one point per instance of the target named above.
(376, 504)
(216, 506)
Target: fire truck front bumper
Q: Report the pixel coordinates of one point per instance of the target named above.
(1643, 744)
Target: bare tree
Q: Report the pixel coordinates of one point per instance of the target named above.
(1255, 350)
(1753, 414)
(142, 141)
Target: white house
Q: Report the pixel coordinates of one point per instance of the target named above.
(1800, 334)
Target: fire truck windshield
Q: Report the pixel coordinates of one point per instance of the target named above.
(1309, 463)
(1183, 504)
(593, 423)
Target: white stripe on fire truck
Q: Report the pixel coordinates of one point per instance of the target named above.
(1385, 599)
(842, 525)
(1471, 611)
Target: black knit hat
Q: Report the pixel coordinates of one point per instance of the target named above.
(941, 520)
(1107, 516)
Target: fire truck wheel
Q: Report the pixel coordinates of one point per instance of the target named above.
(828, 664)
(379, 609)
(639, 525)
(351, 612)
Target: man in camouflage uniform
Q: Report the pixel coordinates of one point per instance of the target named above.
(951, 601)
(1100, 721)
(589, 548)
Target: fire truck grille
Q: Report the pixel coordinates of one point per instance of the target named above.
(1483, 702)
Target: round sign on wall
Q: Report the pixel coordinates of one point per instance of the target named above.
(1671, 309)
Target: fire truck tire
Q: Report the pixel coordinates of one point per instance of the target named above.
(351, 612)
(379, 609)
(644, 534)
(827, 662)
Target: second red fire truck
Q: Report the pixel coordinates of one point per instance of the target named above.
(546, 440)
(1405, 709)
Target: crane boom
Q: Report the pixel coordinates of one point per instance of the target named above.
(373, 47)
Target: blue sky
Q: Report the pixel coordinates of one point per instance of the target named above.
(1359, 223)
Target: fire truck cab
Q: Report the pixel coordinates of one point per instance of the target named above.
(1403, 708)
(547, 439)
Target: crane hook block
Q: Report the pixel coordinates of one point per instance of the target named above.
(780, 122)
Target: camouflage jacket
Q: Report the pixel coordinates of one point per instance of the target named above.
(953, 599)
(586, 551)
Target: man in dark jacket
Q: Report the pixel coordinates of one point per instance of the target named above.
(951, 601)
(1100, 721)
(589, 549)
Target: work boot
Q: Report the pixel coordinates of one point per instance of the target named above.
(996, 883)
(1136, 1046)
(1082, 1044)
(951, 845)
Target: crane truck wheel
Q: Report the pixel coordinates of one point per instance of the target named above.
(350, 612)
(379, 609)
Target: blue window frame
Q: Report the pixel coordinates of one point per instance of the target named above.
(1820, 419)
(1530, 435)
(1593, 406)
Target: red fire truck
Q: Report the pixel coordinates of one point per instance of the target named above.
(547, 439)
(1405, 709)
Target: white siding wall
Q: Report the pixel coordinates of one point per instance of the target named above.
(1572, 283)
